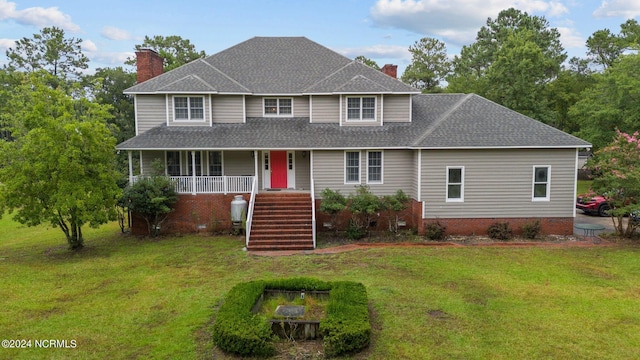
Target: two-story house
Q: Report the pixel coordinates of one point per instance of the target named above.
(279, 119)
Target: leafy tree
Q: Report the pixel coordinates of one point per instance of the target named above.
(175, 50)
(618, 178)
(429, 64)
(367, 61)
(107, 87)
(566, 90)
(492, 67)
(612, 103)
(152, 198)
(49, 50)
(60, 167)
(604, 47)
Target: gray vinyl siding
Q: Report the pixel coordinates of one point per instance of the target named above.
(302, 167)
(398, 172)
(238, 163)
(346, 122)
(397, 108)
(325, 109)
(151, 111)
(255, 105)
(498, 183)
(203, 122)
(227, 109)
(148, 157)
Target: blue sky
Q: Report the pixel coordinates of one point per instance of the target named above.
(381, 30)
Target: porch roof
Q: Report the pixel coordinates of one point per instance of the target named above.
(440, 121)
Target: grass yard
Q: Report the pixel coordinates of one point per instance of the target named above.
(127, 298)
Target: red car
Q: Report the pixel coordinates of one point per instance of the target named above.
(593, 204)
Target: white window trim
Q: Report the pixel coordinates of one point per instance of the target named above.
(381, 181)
(360, 119)
(359, 167)
(277, 107)
(204, 109)
(461, 199)
(548, 183)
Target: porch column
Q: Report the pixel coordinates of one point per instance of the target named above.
(193, 172)
(130, 167)
(255, 165)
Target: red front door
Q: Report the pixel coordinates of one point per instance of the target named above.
(278, 169)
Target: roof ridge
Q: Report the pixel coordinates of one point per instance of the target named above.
(358, 77)
(328, 76)
(225, 75)
(442, 118)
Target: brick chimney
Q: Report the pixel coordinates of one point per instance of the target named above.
(149, 64)
(391, 70)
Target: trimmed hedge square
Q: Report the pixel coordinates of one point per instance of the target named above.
(345, 329)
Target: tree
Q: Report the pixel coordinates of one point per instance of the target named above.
(175, 50)
(60, 167)
(613, 102)
(491, 66)
(617, 169)
(429, 64)
(364, 60)
(604, 47)
(49, 50)
(107, 87)
(152, 198)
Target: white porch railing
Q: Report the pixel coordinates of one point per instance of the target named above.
(313, 212)
(252, 202)
(210, 184)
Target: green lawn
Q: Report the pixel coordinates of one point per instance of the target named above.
(127, 298)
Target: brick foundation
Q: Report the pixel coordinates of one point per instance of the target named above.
(194, 213)
(479, 226)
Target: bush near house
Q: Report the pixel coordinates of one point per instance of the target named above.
(346, 327)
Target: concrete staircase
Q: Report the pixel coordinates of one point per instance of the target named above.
(281, 221)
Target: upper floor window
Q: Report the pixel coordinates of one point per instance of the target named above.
(361, 108)
(455, 184)
(188, 108)
(278, 107)
(541, 183)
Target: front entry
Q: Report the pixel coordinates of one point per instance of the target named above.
(278, 169)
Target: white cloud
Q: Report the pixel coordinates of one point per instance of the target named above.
(455, 21)
(377, 51)
(113, 33)
(5, 44)
(618, 8)
(570, 38)
(89, 46)
(37, 16)
(112, 58)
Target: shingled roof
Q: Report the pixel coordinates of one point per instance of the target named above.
(440, 121)
(271, 65)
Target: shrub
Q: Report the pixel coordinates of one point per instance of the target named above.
(346, 327)
(500, 231)
(531, 230)
(393, 205)
(364, 207)
(354, 231)
(435, 231)
(152, 198)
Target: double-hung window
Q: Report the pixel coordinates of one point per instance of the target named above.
(278, 107)
(352, 167)
(541, 183)
(173, 163)
(188, 108)
(374, 167)
(361, 108)
(455, 183)
(198, 163)
(215, 163)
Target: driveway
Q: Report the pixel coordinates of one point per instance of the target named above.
(582, 218)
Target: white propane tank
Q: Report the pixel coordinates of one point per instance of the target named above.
(238, 209)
